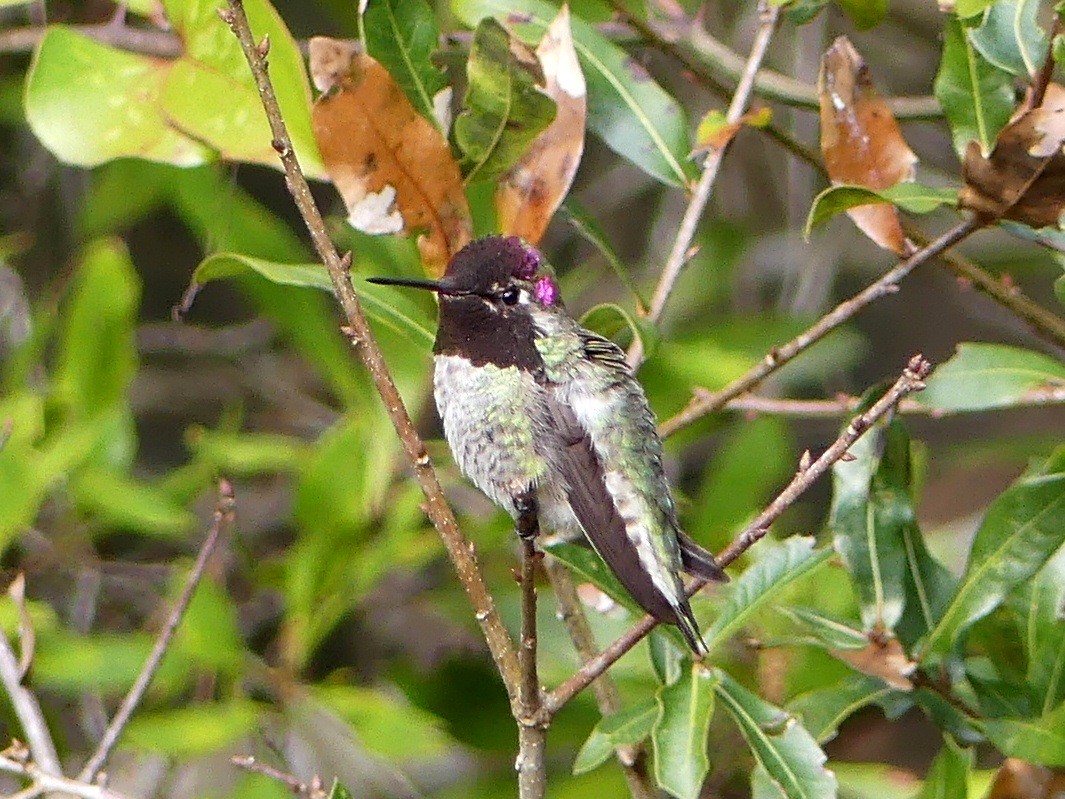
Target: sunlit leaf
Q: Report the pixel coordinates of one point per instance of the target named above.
(1023, 528)
(680, 732)
(976, 96)
(626, 108)
(246, 454)
(780, 744)
(505, 106)
(391, 165)
(532, 190)
(121, 502)
(864, 13)
(193, 730)
(982, 376)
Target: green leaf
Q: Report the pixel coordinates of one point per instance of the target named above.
(865, 14)
(338, 791)
(387, 307)
(504, 108)
(581, 219)
(832, 633)
(403, 35)
(680, 732)
(385, 723)
(1023, 528)
(192, 731)
(1040, 604)
(118, 501)
(982, 376)
(73, 665)
(780, 744)
(970, 8)
(626, 108)
(209, 635)
(779, 568)
(667, 659)
(97, 356)
(589, 566)
(911, 197)
(1010, 37)
(822, 710)
(976, 96)
(624, 728)
(247, 454)
(1040, 740)
(948, 776)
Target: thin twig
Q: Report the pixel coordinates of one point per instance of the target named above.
(221, 524)
(148, 41)
(832, 408)
(680, 253)
(28, 710)
(459, 549)
(45, 782)
(632, 759)
(310, 790)
(532, 726)
(778, 356)
(912, 379)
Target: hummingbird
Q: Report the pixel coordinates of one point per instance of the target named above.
(546, 418)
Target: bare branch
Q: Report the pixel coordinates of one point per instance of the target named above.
(778, 356)
(221, 524)
(13, 762)
(912, 380)
(309, 790)
(148, 41)
(679, 254)
(28, 710)
(459, 549)
(532, 727)
(632, 759)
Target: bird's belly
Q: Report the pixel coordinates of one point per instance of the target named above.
(492, 424)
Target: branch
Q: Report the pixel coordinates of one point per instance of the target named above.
(532, 726)
(309, 790)
(221, 524)
(148, 41)
(702, 405)
(632, 759)
(16, 760)
(28, 710)
(459, 549)
(911, 380)
(680, 253)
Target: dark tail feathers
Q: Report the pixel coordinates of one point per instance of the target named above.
(698, 562)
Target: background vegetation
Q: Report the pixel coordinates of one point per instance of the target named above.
(903, 619)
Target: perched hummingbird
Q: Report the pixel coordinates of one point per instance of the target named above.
(546, 418)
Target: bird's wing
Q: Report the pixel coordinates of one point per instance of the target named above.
(585, 483)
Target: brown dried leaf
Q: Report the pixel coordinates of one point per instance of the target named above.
(392, 166)
(861, 141)
(1017, 779)
(883, 658)
(530, 193)
(1023, 178)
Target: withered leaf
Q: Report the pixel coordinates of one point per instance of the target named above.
(532, 190)
(1017, 779)
(1023, 178)
(392, 166)
(885, 659)
(861, 141)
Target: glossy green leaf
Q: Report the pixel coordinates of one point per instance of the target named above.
(504, 108)
(385, 723)
(833, 633)
(1010, 37)
(626, 108)
(865, 14)
(121, 502)
(1040, 740)
(976, 96)
(403, 35)
(192, 731)
(624, 728)
(982, 376)
(780, 744)
(777, 569)
(912, 197)
(1040, 605)
(680, 732)
(948, 776)
(1023, 528)
(383, 305)
(822, 710)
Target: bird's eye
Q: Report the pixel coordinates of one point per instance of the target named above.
(510, 295)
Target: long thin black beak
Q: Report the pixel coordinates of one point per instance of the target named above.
(431, 285)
